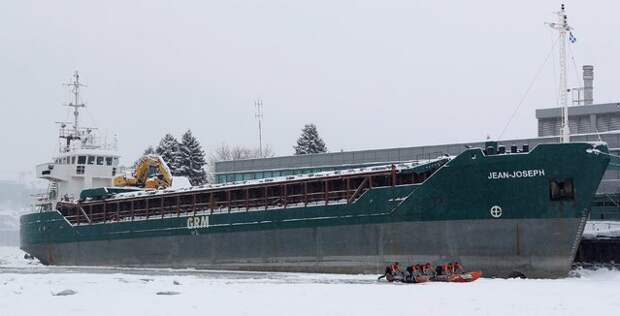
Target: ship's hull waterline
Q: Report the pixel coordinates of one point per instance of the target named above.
(515, 248)
(491, 213)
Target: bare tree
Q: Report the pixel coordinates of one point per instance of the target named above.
(267, 152)
(235, 152)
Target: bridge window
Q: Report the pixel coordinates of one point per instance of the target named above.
(79, 170)
(108, 161)
(100, 160)
(561, 190)
(91, 160)
(81, 160)
(73, 160)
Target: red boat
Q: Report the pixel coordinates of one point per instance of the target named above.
(458, 277)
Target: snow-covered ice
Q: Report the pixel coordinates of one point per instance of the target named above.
(14, 257)
(601, 229)
(32, 289)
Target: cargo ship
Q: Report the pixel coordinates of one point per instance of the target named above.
(506, 212)
(515, 212)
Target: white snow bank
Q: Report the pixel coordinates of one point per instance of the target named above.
(598, 275)
(597, 229)
(179, 183)
(14, 257)
(592, 293)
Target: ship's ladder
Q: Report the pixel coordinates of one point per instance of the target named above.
(52, 190)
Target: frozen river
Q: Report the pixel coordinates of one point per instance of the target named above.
(31, 289)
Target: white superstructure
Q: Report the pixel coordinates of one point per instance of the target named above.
(83, 160)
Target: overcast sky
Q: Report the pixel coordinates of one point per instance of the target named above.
(369, 74)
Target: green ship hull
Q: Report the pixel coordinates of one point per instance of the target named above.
(503, 214)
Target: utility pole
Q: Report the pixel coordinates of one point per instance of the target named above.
(562, 27)
(259, 116)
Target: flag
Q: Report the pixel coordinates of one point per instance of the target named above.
(571, 37)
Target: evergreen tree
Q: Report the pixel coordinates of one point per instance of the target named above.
(190, 160)
(309, 142)
(168, 150)
(149, 151)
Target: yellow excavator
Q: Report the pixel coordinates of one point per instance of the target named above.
(151, 172)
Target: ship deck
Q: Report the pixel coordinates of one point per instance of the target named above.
(328, 188)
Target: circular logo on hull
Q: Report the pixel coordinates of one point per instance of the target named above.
(496, 211)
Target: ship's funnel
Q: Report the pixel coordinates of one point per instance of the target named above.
(588, 77)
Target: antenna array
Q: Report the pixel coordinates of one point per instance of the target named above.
(259, 116)
(562, 27)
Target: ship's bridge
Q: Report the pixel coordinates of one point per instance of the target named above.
(76, 169)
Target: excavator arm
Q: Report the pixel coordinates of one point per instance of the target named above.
(151, 172)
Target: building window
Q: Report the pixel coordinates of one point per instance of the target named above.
(79, 170)
(108, 161)
(81, 160)
(561, 190)
(99, 160)
(91, 160)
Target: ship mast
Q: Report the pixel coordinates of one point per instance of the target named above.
(562, 27)
(75, 90)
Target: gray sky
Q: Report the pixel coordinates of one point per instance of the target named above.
(369, 74)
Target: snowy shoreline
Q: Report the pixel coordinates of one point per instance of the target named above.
(110, 291)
